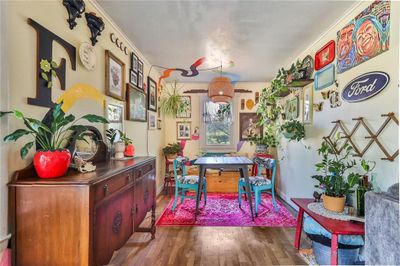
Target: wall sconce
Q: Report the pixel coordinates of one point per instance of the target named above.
(75, 8)
(96, 26)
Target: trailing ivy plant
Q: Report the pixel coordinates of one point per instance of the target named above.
(54, 136)
(293, 130)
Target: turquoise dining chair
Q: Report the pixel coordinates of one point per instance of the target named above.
(259, 183)
(184, 182)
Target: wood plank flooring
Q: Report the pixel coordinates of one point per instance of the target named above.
(178, 245)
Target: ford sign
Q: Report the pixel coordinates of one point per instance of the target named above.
(365, 86)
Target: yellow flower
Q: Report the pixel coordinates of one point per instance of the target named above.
(45, 65)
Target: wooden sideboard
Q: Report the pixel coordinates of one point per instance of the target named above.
(82, 218)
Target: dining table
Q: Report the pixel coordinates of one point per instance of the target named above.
(223, 162)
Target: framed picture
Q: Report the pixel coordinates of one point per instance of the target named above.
(140, 80)
(307, 105)
(152, 120)
(135, 104)
(134, 62)
(115, 77)
(364, 37)
(140, 66)
(292, 108)
(324, 78)
(248, 126)
(114, 113)
(133, 78)
(152, 94)
(187, 112)
(183, 130)
(159, 123)
(325, 55)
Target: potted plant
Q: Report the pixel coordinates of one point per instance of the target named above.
(293, 130)
(171, 151)
(52, 159)
(171, 101)
(129, 148)
(364, 185)
(114, 137)
(335, 180)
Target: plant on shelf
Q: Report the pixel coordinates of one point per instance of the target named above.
(293, 130)
(172, 150)
(336, 181)
(171, 100)
(121, 144)
(52, 159)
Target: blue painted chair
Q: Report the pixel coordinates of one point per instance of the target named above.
(184, 183)
(259, 183)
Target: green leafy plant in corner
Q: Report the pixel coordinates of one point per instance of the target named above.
(172, 148)
(171, 100)
(293, 130)
(54, 136)
(47, 70)
(336, 180)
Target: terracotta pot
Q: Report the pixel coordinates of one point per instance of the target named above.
(51, 164)
(172, 156)
(335, 204)
(129, 151)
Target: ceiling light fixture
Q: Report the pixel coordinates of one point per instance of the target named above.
(221, 89)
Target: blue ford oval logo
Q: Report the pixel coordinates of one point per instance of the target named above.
(365, 86)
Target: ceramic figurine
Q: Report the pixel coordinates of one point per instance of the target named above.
(119, 150)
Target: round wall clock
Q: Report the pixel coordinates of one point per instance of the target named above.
(87, 55)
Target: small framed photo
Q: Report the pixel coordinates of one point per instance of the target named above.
(135, 104)
(115, 77)
(151, 94)
(307, 104)
(140, 80)
(159, 123)
(187, 111)
(133, 78)
(114, 113)
(140, 66)
(183, 130)
(134, 62)
(152, 120)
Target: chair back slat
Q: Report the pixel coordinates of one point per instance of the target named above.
(266, 163)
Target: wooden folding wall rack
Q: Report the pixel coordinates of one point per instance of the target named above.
(373, 137)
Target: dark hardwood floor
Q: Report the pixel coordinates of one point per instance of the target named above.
(179, 245)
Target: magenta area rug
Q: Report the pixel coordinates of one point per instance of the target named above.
(222, 209)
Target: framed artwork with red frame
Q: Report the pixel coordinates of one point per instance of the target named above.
(325, 55)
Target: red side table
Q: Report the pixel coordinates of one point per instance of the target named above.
(335, 227)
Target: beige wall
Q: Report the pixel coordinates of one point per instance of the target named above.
(21, 39)
(298, 165)
(192, 148)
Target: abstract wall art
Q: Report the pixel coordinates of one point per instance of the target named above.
(365, 37)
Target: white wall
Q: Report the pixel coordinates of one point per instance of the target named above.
(298, 166)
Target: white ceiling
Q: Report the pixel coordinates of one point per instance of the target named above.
(258, 36)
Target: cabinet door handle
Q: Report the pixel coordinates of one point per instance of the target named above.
(128, 178)
(136, 208)
(132, 211)
(105, 189)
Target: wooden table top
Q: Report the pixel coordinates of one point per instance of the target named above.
(332, 225)
(223, 160)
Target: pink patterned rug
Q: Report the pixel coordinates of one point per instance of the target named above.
(222, 209)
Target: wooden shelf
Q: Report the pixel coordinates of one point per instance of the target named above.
(300, 83)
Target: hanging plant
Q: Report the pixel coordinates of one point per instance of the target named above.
(293, 130)
(48, 71)
(171, 101)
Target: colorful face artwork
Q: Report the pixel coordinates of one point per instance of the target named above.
(365, 37)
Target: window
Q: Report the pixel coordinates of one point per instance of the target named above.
(218, 126)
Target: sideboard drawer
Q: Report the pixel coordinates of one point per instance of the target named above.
(142, 170)
(109, 186)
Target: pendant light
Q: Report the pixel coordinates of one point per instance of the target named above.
(221, 90)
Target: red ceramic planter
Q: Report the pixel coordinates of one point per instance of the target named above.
(51, 164)
(129, 151)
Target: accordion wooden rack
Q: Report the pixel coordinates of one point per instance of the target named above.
(373, 136)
